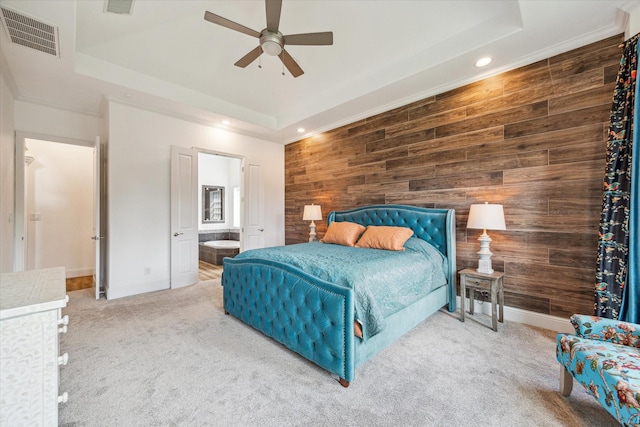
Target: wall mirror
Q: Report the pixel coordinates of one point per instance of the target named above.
(212, 204)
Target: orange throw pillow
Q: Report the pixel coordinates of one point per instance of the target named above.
(343, 233)
(385, 237)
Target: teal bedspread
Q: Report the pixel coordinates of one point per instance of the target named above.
(383, 281)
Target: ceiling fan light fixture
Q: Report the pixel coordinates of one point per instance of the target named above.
(271, 43)
(271, 48)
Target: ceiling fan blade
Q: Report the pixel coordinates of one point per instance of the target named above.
(217, 19)
(290, 63)
(313, 39)
(249, 57)
(273, 14)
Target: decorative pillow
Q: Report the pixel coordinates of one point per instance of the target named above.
(385, 237)
(343, 233)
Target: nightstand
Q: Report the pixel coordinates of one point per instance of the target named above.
(471, 279)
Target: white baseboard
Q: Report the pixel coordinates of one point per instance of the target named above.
(512, 314)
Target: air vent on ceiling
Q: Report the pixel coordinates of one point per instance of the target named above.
(122, 7)
(30, 32)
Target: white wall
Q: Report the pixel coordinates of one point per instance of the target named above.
(7, 171)
(35, 118)
(218, 171)
(633, 24)
(139, 191)
(59, 207)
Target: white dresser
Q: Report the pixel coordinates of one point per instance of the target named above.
(31, 321)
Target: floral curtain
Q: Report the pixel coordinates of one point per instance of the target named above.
(617, 288)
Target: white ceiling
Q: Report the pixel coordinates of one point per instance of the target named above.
(166, 57)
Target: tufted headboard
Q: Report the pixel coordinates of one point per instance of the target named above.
(427, 224)
(435, 226)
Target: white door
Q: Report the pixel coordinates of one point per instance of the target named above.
(254, 214)
(184, 217)
(19, 246)
(97, 273)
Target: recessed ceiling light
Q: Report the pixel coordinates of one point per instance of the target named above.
(226, 122)
(482, 62)
(300, 130)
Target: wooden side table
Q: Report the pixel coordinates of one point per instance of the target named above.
(470, 278)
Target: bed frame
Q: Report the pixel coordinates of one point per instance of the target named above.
(315, 318)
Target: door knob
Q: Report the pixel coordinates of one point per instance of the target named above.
(177, 234)
(260, 229)
(97, 237)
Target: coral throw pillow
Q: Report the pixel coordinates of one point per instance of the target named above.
(343, 233)
(385, 237)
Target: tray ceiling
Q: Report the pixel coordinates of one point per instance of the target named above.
(166, 57)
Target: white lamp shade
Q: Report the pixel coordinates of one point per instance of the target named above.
(312, 213)
(486, 217)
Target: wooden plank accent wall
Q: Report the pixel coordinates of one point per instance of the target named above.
(533, 139)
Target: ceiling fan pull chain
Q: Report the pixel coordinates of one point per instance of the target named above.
(283, 68)
(259, 63)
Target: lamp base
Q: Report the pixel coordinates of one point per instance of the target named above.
(312, 232)
(484, 267)
(484, 263)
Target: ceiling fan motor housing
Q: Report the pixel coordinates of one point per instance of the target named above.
(272, 43)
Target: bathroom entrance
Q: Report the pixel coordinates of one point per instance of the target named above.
(219, 213)
(227, 207)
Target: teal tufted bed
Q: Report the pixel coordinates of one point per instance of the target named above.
(312, 296)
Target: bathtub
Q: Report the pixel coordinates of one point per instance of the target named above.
(213, 251)
(223, 244)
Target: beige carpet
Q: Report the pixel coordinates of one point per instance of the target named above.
(173, 358)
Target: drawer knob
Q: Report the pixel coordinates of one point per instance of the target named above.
(64, 322)
(63, 360)
(63, 398)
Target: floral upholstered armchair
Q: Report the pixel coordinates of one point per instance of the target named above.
(603, 356)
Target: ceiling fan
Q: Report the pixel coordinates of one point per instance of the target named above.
(272, 41)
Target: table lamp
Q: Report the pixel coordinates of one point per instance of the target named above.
(486, 217)
(312, 213)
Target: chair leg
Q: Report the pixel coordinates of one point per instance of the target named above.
(566, 381)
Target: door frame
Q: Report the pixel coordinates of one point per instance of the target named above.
(97, 237)
(19, 247)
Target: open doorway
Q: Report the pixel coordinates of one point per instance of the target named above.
(59, 209)
(219, 213)
(186, 210)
